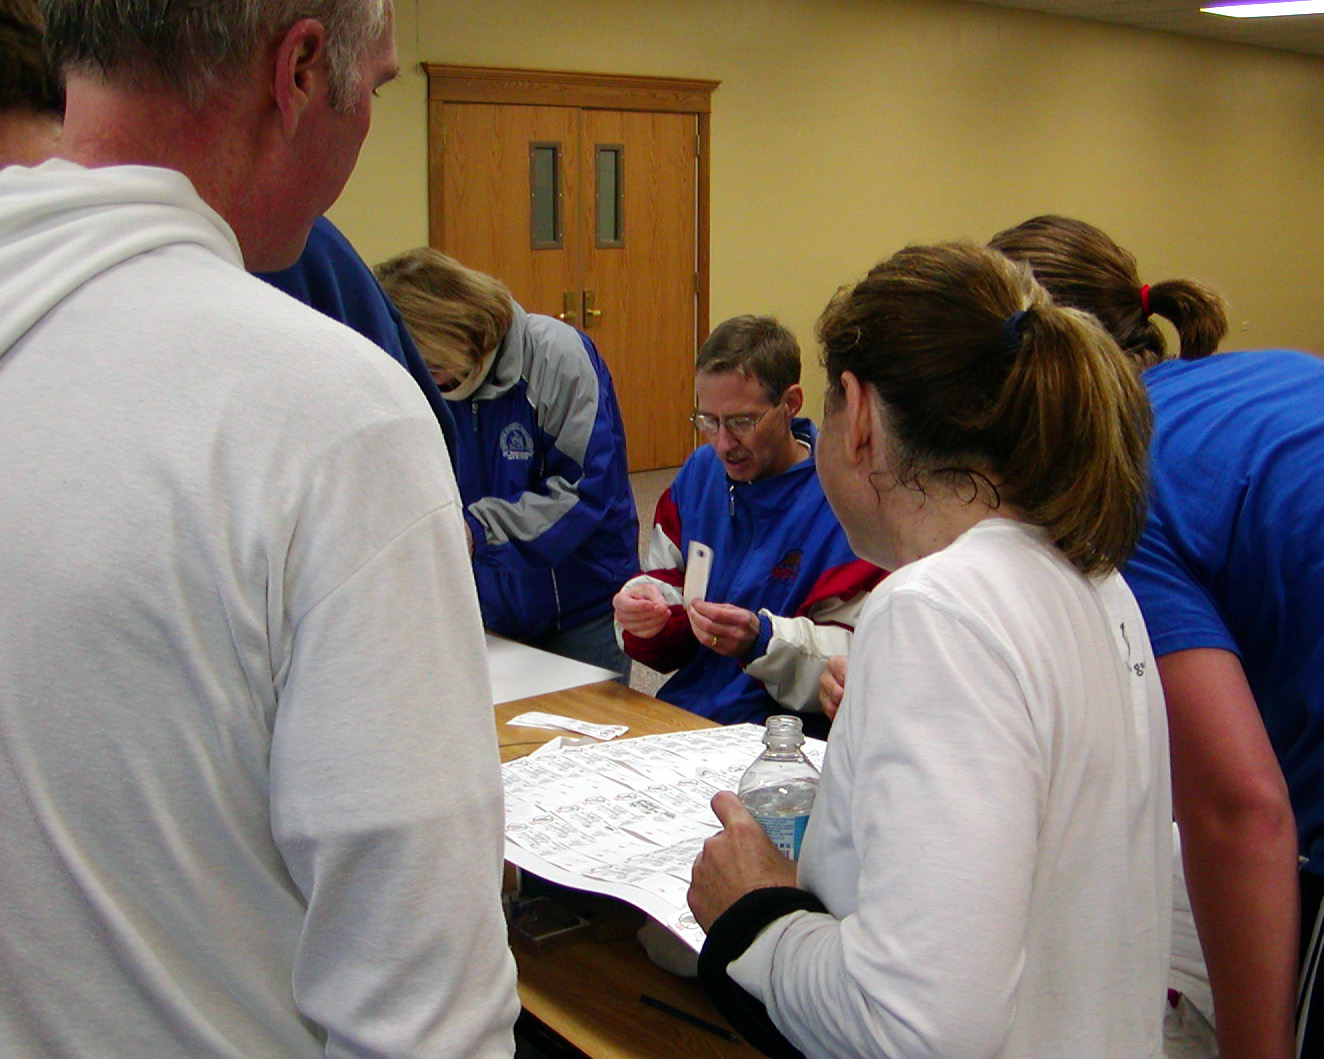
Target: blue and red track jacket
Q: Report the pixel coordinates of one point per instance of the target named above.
(779, 551)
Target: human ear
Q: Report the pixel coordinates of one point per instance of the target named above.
(794, 398)
(857, 414)
(299, 77)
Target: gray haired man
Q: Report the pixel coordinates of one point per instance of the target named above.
(248, 768)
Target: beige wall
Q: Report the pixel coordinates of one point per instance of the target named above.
(844, 129)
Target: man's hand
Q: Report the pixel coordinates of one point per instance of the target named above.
(733, 862)
(832, 685)
(641, 610)
(723, 628)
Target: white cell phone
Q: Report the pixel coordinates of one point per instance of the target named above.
(698, 562)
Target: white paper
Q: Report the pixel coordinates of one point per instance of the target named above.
(520, 671)
(628, 818)
(698, 563)
(536, 719)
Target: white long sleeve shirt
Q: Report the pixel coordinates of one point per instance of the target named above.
(248, 772)
(991, 835)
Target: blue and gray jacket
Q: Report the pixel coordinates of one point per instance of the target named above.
(540, 461)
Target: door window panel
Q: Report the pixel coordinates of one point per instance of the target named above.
(545, 196)
(609, 199)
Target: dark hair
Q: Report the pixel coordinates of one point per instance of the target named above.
(194, 46)
(981, 377)
(756, 347)
(1083, 268)
(26, 78)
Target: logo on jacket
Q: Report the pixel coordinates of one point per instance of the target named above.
(787, 567)
(516, 444)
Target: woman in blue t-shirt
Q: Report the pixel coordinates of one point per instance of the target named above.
(1230, 576)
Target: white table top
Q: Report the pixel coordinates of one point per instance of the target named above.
(519, 671)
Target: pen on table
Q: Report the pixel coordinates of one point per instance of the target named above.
(685, 1016)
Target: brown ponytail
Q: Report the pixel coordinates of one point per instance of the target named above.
(1197, 312)
(982, 377)
(1081, 267)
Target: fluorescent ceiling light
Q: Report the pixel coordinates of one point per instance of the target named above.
(1298, 7)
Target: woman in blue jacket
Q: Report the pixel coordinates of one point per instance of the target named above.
(539, 456)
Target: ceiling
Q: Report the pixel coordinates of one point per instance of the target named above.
(1299, 33)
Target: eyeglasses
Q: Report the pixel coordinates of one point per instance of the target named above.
(737, 425)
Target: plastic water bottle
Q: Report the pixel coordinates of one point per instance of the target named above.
(778, 788)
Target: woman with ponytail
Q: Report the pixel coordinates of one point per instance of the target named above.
(1081, 267)
(1230, 575)
(986, 870)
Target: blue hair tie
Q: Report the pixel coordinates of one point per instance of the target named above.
(1011, 331)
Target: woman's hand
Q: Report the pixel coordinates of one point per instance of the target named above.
(738, 859)
(832, 685)
(641, 610)
(722, 627)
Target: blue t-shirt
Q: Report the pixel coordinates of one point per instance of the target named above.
(1232, 556)
(332, 278)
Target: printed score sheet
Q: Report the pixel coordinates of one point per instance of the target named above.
(627, 818)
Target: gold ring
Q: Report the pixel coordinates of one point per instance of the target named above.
(713, 641)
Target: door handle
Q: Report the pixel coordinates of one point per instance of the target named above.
(568, 313)
(590, 313)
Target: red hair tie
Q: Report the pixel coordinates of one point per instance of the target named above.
(1144, 299)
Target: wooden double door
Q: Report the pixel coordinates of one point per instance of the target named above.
(587, 196)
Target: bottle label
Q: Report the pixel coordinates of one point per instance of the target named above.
(785, 832)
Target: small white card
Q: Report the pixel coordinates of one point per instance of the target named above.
(697, 565)
(535, 719)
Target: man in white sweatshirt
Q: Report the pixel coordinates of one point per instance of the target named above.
(248, 772)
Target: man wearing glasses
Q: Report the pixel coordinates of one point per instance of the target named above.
(784, 587)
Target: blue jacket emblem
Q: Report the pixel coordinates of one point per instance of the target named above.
(516, 443)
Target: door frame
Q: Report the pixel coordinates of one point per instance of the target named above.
(489, 84)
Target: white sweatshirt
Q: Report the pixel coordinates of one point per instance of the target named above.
(991, 835)
(248, 772)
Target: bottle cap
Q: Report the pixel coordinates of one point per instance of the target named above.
(782, 728)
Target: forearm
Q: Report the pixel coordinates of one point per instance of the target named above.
(728, 940)
(668, 650)
(1239, 849)
(1242, 879)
